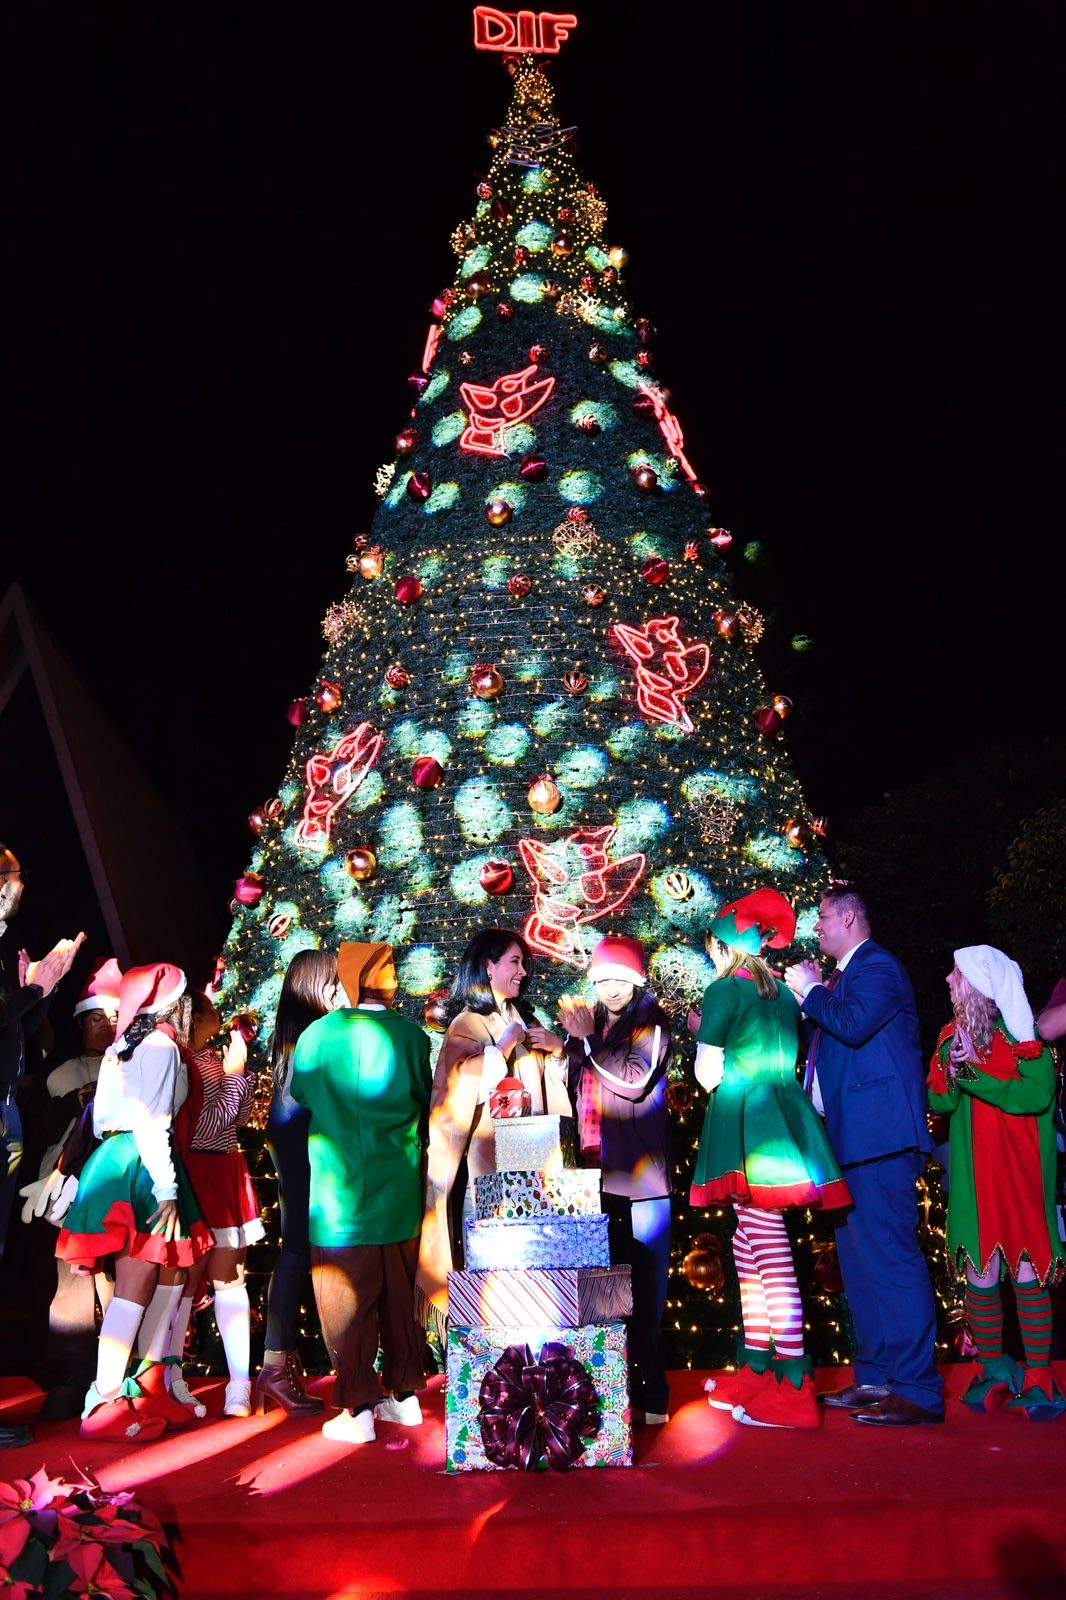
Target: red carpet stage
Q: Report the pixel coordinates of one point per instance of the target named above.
(976, 1508)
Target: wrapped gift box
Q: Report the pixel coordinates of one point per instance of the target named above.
(536, 1242)
(545, 1296)
(600, 1348)
(573, 1192)
(534, 1144)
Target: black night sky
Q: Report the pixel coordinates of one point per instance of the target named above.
(225, 223)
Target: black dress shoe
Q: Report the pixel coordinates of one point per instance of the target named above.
(855, 1396)
(895, 1412)
(13, 1435)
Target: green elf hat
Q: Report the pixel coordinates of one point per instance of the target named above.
(764, 916)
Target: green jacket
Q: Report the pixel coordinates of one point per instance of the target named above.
(364, 1076)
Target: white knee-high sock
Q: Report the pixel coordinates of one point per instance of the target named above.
(117, 1333)
(153, 1340)
(234, 1326)
(179, 1328)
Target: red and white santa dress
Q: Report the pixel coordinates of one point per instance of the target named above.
(219, 1104)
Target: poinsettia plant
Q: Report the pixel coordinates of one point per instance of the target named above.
(60, 1539)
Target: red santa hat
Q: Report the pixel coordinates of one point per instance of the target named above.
(101, 991)
(145, 991)
(618, 957)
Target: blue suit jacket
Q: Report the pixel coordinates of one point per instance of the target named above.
(869, 1059)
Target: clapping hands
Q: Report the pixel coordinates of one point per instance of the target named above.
(47, 972)
(801, 974)
(576, 1017)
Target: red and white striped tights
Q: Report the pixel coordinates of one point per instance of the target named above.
(769, 1294)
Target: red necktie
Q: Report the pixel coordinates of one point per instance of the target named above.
(812, 1048)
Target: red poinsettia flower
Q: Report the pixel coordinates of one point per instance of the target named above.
(13, 1536)
(18, 1589)
(94, 1574)
(107, 1527)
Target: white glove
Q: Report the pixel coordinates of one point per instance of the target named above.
(49, 1197)
(710, 1066)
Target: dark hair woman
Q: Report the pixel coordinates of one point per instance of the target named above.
(493, 1033)
(309, 991)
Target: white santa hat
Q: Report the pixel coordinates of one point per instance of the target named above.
(101, 991)
(999, 979)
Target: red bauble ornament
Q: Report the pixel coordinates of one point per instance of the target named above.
(418, 382)
(360, 863)
(360, 541)
(655, 570)
(589, 425)
(692, 551)
(397, 676)
(420, 486)
(797, 834)
(484, 190)
(727, 624)
(644, 358)
(645, 478)
(782, 705)
(408, 590)
(827, 1274)
(643, 406)
(435, 1012)
(406, 440)
(248, 891)
(577, 514)
(562, 245)
(544, 795)
(599, 353)
(678, 1096)
(478, 284)
(257, 820)
(820, 826)
(608, 275)
(721, 538)
(521, 255)
(297, 712)
(539, 354)
(496, 877)
(498, 513)
(274, 807)
(587, 283)
(329, 696)
(519, 585)
(593, 595)
(427, 772)
(500, 210)
(703, 1264)
(247, 1025)
(486, 681)
(533, 469)
(698, 489)
(645, 329)
(767, 721)
(575, 683)
(565, 213)
(505, 311)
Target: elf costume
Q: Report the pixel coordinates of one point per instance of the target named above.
(1000, 1096)
(763, 1147)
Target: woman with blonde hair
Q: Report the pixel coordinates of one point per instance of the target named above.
(996, 1081)
(763, 1147)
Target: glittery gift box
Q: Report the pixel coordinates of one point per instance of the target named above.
(493, 1242)
(534, 1144)
(568, 1296)
(601, 1348)
(573, 1192)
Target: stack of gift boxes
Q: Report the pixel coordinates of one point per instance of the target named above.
(538, 1273)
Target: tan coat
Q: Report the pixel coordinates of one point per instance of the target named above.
(460, 1125)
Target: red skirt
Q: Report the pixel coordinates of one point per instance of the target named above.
(223, 1188)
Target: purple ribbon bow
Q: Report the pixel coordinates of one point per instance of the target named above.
(533, 1409)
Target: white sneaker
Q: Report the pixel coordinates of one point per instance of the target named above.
(408, 1411)
(347, 1429)
(652, 1419)
(184, 1395)
(238, 1401)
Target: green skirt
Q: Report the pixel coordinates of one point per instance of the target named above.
(111, 1210)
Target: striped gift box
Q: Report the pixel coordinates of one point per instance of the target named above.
(573, 1192)
(536, 1242)
(539, 1297)
(534, 1144)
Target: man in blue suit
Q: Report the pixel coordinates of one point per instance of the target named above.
(866, 1075)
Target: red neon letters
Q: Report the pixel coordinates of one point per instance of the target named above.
(601, 887)
(331, 778)
(533, 32)
(660, 693)
(671, 428)
(432, 341)
(510, 400)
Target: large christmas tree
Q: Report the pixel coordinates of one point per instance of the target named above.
(539, 704)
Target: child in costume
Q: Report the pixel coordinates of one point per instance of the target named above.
(997, 1082)
(219, 1103)
(363, 1073)
(309, 991)
(134, 1200)
(617, 1054)
(763, 1147)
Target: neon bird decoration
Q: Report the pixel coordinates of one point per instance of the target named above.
(332, 777)
(492, 410)
(670, 428)
(684, 665)
(603, 886)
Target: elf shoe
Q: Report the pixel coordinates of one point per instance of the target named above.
(151, 1379)
(118, 1418)
(733, 1389)
(1041, 1399)
(782, 1405)
(993, 1385)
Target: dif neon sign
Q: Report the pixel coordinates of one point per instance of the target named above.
(537, 33)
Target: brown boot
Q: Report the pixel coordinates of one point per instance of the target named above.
(283, 1386)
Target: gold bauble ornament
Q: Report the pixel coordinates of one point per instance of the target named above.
(360, 863)
(498, 513)
(486, 681)
(544, 796)
(678, 885)
(372, 562)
